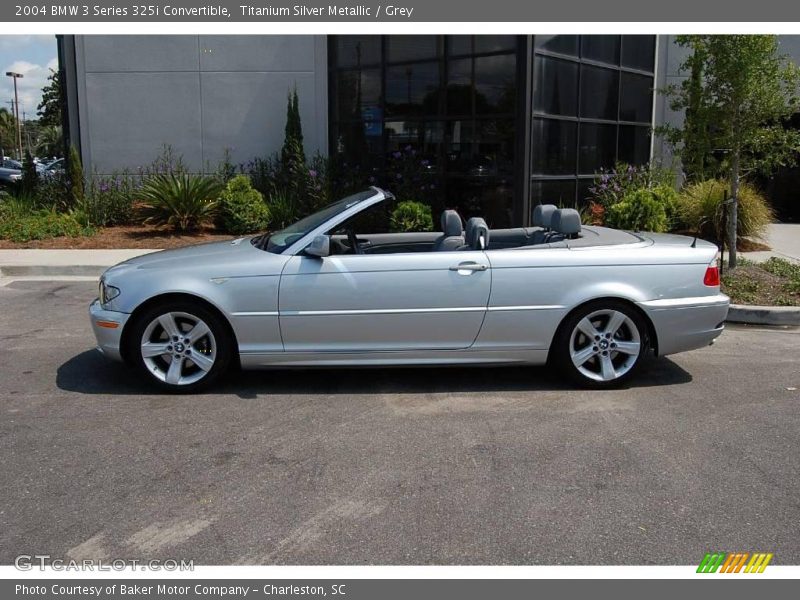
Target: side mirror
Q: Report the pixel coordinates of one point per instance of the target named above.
(319, 247)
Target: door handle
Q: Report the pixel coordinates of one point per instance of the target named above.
(469, 266)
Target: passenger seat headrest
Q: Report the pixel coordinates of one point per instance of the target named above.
(477, 237)
(566, 221)
(543, 215)
(451, 224)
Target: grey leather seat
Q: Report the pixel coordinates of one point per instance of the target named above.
(477, 235)
(542, 218)
(566, 223)
(453, 233)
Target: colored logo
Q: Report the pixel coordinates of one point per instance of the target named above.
(734, 562)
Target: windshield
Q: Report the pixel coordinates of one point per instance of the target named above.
(280, 240)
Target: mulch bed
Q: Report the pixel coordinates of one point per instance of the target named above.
(750, 284)
(132, 236)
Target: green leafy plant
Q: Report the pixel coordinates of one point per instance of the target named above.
(282, 209)
(108, 200)
(411, 216)
(40, 225)
(612, 185)
(182, 201)
(242, 208)
(641, 210)
(30, 177)
(700, 208)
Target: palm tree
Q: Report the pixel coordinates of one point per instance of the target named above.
(50, 142)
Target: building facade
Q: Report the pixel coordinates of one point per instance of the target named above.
(495, 124)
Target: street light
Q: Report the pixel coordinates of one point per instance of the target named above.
(16, 76)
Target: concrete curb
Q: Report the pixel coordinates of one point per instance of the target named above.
(764, 315)
(52, 270)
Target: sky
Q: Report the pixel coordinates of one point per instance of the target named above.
(33, 56)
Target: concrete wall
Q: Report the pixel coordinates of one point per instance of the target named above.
(199, 94)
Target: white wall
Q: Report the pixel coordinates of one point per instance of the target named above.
(199, 94)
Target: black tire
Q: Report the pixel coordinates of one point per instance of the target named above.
(564, 343)
(220, 340)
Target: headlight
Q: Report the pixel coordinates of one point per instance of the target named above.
(107, 292)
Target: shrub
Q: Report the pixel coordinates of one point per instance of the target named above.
(700, 208)
(411, 216)
(54, 191)
(283, 211)
(611, 186)
(242, 208)
(108, 200)
(668, 198)
(640, 210)
(40, 225)
(179, 200)
(30, 176)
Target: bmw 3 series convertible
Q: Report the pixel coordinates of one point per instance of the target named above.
(340, 288)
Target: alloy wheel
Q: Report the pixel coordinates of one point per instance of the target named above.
(605, 345)
(178, 348)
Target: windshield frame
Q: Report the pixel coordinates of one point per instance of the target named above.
(300, 244)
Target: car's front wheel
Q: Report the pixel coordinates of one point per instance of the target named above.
(601, 344)
(180, 346)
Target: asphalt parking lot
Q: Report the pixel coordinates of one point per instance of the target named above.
(406, 466)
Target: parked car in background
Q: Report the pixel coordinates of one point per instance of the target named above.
(338, 288)
(10, 163)
(9, 177)
(53, 168)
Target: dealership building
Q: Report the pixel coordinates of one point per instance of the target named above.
(502, 123)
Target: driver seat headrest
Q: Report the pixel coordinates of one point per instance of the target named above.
(451, 224)
(477, 236)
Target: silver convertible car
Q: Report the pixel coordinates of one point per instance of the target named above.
(340, 288)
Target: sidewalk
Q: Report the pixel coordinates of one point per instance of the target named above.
(784, 239)
(61, 263)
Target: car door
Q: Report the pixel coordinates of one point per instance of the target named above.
(363, 302)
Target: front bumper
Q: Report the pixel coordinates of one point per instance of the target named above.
(687, 323)
(107, 326)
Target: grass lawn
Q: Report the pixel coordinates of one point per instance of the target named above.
(775, 282)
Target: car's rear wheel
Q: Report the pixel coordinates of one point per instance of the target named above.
(180, 346)
(602, 344)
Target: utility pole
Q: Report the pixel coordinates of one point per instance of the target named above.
(16, 76)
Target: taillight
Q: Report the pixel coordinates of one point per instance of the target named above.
(711, 277)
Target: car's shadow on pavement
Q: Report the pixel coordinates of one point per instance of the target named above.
(90, 373)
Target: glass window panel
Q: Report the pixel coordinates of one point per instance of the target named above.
(494, 43)
(636, 103)
(355, 91)
(554, 147)
(563, 44)
(639, 51)
(495, 84)
(353, 142)
(556, 86)
(599, 92)
(459, 87)
(355, 50)
(602, 48)
(558, 192)
(459, 44)
(400, 48)
(634, 144)
(412, 89)
(583, 191)
(597, 148)
(481, 149)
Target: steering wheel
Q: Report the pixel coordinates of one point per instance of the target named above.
(352, 239)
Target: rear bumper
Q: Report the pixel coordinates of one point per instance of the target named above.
(687, 323)
(107, 326)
